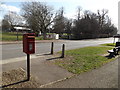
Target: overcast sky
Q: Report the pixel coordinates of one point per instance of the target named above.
(70, 6)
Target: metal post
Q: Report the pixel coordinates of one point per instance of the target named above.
(63, 51)
(28, 67)
(52, 45)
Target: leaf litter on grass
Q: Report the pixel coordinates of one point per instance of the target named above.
(10, 78)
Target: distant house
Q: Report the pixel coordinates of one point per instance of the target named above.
(22, 29)
(52, 36)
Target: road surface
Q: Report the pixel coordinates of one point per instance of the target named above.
(15, 50)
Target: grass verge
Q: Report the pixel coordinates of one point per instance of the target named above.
(84, 59)
(109, 44)
(12, 36)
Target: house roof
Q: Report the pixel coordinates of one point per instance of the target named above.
(22, 28)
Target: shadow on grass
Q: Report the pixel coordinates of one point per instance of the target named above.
(54, 58)
(47, 54)
(43, 54)
(110, 56)
(14, 83)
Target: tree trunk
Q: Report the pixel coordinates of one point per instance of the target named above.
(44, 36)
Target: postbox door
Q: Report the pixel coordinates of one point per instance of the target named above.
(31, 48)
(31, 45)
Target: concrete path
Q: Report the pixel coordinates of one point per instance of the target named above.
(41, 68)
(104, 77)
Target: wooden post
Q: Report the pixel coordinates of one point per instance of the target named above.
(52, 45)
(63, 51)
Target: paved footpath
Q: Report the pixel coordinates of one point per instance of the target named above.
(52, 76)
(41, 68)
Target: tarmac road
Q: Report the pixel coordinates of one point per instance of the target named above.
(15, 50)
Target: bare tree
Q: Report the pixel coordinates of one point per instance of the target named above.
(68, 27)
(5, 25)
(86, 27)
(79, 9)
(59, 21)
(13, 18)
(93, 25)
(59, 24)
(102, 17)
(39, 16)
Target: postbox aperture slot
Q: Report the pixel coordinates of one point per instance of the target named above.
(30, 37)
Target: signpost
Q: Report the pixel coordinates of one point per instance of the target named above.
(28, 48)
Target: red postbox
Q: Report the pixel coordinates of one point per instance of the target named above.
(29, 43)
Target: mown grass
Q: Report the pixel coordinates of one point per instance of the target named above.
(12, 36)
(109, 44)
(84, 59)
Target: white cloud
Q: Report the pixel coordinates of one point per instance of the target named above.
(7, 8)
(70, 16)
(12, 8)
(4, 9)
